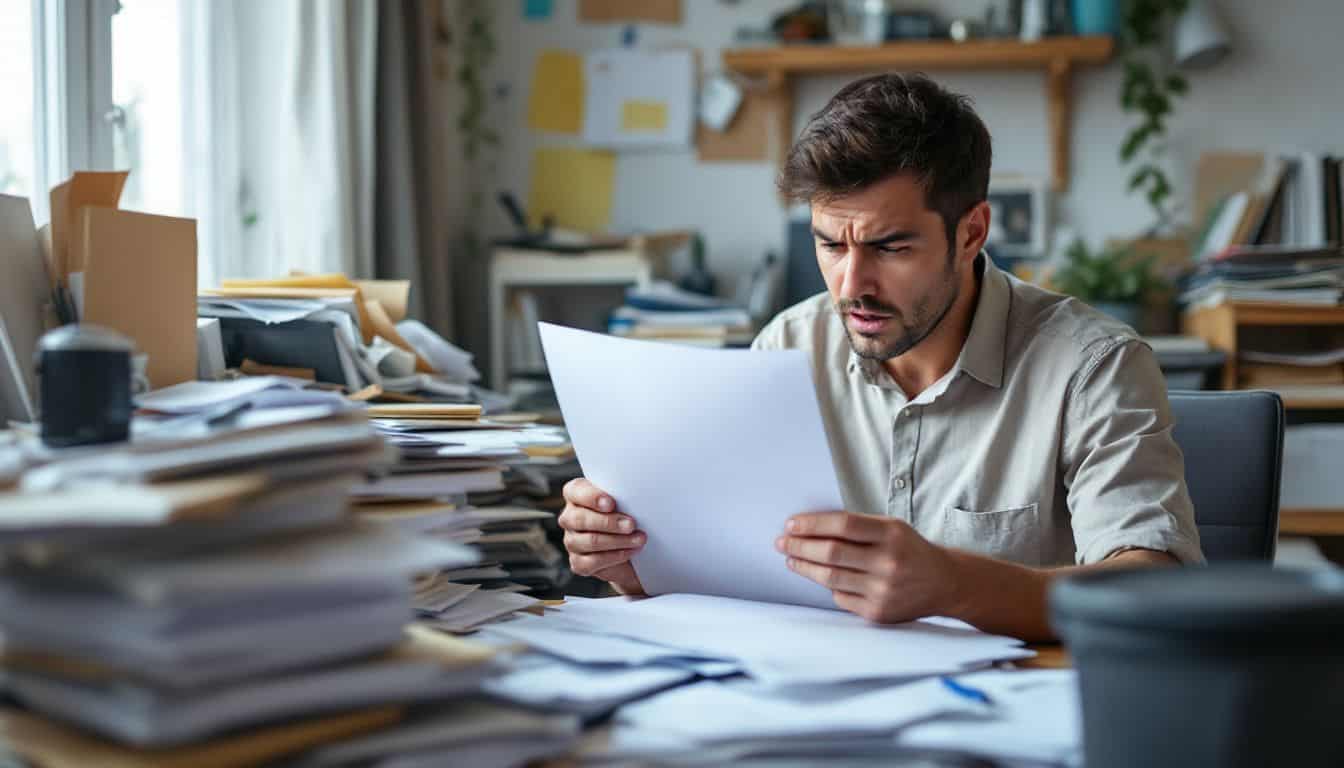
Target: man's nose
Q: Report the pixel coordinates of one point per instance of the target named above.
(858, 278)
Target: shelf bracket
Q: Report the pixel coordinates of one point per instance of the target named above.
(780, 90)
(1060, 111)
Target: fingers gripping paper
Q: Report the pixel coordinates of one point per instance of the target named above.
(710, 451)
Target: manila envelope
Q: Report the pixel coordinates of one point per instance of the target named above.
(140, 280)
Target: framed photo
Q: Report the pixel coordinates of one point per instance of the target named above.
(1019, 209)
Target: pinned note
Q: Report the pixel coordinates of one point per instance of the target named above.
(537, 10)
(643, 116)
(639, 99)
(557, 99)
(574, 187)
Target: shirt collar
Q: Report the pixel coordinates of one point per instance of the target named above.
(982, 355)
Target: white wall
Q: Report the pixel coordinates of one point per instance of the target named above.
(1280, 88)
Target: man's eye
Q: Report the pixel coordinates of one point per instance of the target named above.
(894, 249)
(832, 247)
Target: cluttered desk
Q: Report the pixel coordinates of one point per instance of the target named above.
(282, 524)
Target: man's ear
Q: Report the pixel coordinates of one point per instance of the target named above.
(973, 230)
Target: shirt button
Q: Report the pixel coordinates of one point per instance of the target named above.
(900, 483)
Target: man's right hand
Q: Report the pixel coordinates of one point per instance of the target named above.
(599, 539)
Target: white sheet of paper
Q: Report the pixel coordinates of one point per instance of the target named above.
(1036, 717)
(193, 396)
(447, 359)
(770, 639)
(548, 683)
(716, 711)
(710, 451)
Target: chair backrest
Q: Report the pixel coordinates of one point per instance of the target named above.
(1233, 446)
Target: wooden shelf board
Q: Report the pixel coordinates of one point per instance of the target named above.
(923, 54)
(1312, 522)
(1056, 56)
(1278, 314)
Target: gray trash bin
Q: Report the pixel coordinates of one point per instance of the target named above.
(1229, 665)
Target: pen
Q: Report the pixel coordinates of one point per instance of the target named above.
(966, 691)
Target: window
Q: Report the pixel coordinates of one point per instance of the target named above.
(149, 105)
(18, 148)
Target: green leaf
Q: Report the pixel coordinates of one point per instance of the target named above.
(1177, 84)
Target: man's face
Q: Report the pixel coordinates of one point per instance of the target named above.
(887, 263)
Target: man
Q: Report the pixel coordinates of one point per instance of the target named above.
(986, 433)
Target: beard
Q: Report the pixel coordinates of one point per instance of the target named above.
(902, 333)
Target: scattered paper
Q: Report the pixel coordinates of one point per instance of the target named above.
(548, 683)
(479, 608)
(769, 639)
(446, 358)
(714, 711)
(194, 396)
(1036, 718)
(731, 444)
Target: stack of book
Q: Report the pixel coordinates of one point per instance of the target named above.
(204, 592)
(1292, 200)
(662, 312)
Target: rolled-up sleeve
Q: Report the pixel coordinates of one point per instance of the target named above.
(1124, 473)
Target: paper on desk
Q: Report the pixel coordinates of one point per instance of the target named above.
(548, 683)
(446, 359)
(269, 311)
(193, 396)
(726, 711)
(710, 451)
(1036, 718)
(770, 639)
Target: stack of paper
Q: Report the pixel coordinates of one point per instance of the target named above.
(511, 542)
(662, 312)
(212, 580)
(447, 455)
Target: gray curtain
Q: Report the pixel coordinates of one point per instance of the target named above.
(415, 214)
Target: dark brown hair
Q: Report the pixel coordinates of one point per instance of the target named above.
(884, 125)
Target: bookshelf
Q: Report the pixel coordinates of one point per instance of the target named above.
(1223, 326)
(1057, 57)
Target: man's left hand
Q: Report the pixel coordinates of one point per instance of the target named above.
(879, 568)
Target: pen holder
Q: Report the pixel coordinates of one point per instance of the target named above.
(1229, 665)
(85, 375)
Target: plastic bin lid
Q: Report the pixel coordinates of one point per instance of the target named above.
(1218, 597)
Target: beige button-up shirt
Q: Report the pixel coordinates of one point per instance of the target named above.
(1048, 443)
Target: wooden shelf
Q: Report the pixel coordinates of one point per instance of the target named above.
(1311, 398)
(1056, 56)
(919, 55)
(1219, 326)
(1312, 522)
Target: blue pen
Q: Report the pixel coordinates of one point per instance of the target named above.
(966, 691)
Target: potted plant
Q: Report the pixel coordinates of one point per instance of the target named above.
(1114, 280)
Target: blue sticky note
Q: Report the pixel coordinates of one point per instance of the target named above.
(537, 10)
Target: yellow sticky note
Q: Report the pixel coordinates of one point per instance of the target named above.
(643, 116)
(556, 102)
(573, 186)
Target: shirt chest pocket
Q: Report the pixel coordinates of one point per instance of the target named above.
(1011, 533)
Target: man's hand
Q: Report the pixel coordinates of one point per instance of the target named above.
(878, 568)
(600, 540)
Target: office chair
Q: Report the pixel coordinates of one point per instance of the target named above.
(1233, 446)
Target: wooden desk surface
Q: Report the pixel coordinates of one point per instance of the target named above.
(1051, 656)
